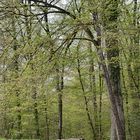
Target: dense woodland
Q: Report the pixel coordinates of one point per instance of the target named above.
(70, 69)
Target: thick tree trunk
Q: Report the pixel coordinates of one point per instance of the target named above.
(119, 126)
(113, 128)
(114, 66)
(114, 107)
(112, 71)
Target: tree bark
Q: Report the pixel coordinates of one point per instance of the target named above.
(85, 98)
(112, 71)
(93, 91)
(100, 103)
(114, 66)
(16, 75)
(59, 89)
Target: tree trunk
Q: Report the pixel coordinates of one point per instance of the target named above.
(59, 88)
(16, 75)
(112, 71)
(60, 107)
(85, 98)
(100, 104)
(47, 135)
(114, 66)
(93, 90)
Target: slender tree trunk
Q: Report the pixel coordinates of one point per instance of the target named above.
(36, 114)
(100, 104)
(93, 90)
(60, 119)
(16, 75)
(126, 103)
(134, 70)
(47, 136)
(28, 25)
(46, 110)
(35, 104)
(85, 98)
(136, 48)
(5, 131)
(59, 88)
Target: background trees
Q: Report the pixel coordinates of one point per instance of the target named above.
(60, 59)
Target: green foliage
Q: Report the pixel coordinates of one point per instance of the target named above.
(61, 48)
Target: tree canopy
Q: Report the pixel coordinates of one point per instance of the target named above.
(70, 69)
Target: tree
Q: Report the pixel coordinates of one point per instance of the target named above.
(55, 59)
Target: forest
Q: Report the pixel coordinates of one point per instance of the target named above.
(70, 69)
